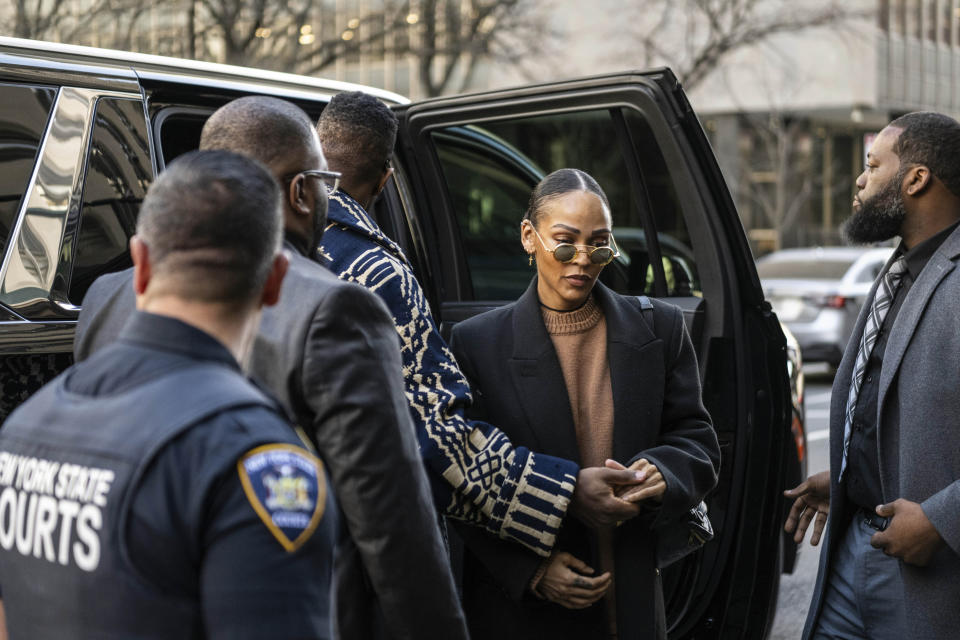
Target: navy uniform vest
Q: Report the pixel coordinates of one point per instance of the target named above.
(69, 465)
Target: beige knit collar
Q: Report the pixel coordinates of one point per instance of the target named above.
(580, 320)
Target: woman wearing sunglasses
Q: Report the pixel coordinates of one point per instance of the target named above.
(577, 371)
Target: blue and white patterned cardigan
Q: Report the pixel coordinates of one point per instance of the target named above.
(475, 472)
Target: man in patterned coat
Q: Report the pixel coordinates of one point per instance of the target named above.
(476, 474)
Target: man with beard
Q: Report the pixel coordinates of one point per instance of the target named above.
(890, 566)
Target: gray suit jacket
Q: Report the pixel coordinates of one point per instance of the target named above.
(329, 351)
(919, 439)
(106, 306)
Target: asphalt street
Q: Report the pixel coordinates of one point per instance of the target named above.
(795, 589)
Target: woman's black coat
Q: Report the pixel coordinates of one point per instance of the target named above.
(518, 386)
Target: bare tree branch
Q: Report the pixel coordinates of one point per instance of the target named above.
(693, 37)
(445, 40)
(779, 182)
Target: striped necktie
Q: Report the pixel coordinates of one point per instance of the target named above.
(882, 300)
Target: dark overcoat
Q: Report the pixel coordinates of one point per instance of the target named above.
(658, 414)
(918, 439)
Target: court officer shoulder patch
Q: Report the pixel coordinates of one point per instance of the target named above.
(287, 488)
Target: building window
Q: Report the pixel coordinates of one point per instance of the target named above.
(946, 21)
(377, 28)
(900, 17)
(917, 12)
(956, 17)
(932, 20)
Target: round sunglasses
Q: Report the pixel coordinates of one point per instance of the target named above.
(566, 253)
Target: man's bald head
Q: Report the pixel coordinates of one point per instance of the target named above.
(260, 127)
(212, 224)
(281, 136)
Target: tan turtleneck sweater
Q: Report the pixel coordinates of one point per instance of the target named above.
(580, 340)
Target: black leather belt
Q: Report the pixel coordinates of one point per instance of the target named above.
(870, 517)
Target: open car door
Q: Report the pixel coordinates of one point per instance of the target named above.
(466, 167)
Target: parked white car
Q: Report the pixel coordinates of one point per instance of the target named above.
(818, 293)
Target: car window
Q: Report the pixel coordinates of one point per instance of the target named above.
(812, 268)
(117, 177)
(490, 171)
(489, 186)
(177, 130)
(23, 117)
(673, 237)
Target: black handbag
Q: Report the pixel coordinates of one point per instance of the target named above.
(678, 538)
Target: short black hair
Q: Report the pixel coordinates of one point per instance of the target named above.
(359, 131)
(558, 183)
(933, 140)
(260, 127)
(212, 224)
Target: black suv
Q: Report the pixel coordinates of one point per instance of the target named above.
(84, 131)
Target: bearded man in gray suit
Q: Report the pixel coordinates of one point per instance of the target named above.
(890, 566)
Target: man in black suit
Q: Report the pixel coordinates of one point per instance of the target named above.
(330, 352)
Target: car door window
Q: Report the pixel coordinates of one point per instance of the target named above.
(118, 174)
(673, 237)
(489, 186)
(23, 117)
(176, 130)
(491, 169)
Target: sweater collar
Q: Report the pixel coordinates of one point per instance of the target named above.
(560, 323)
(625, 325)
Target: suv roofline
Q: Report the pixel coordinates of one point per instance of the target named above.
(664, 76)
(142, 62)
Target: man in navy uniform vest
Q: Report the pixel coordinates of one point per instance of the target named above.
(151, 491)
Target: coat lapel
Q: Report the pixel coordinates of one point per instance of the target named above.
(912, 310)
(636, 369)
(843, 377)
(538, 379)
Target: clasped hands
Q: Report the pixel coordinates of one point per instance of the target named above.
(605, 496)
